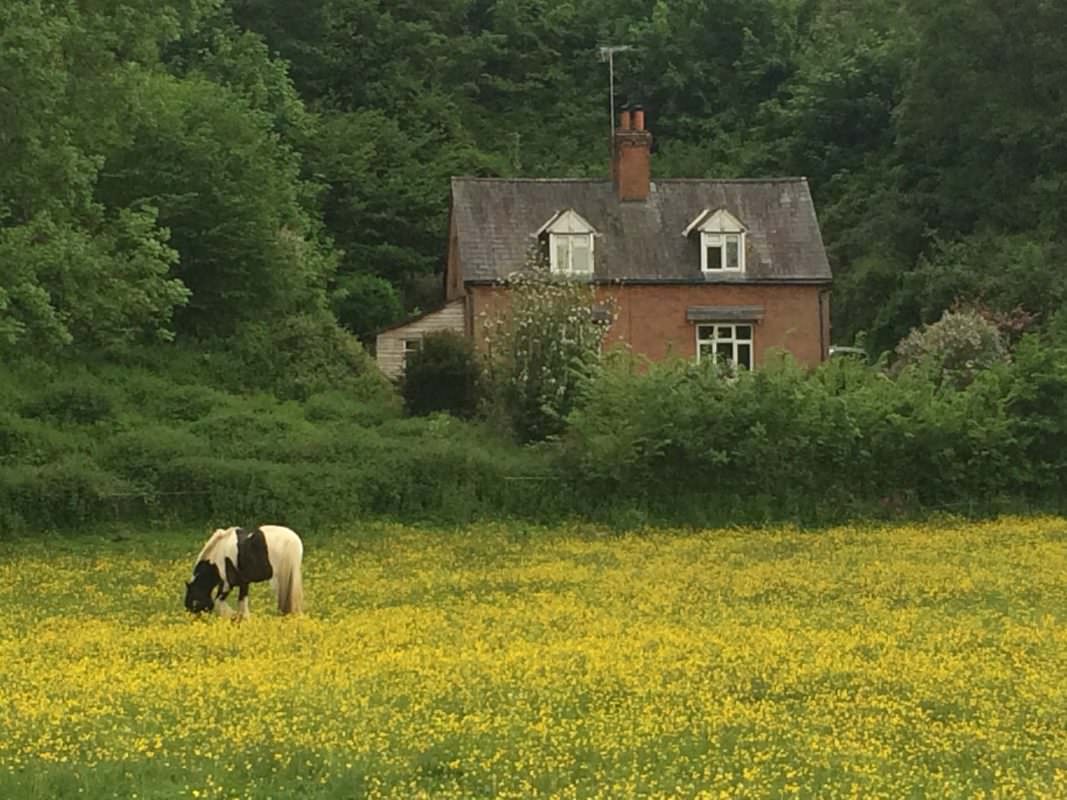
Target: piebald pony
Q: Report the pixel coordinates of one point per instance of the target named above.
(237, 557)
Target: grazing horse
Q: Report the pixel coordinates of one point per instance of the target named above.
(238, 557)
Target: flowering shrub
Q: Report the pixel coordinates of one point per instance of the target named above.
(957, 346)
(543, 347)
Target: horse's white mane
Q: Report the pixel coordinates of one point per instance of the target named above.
(208, 551)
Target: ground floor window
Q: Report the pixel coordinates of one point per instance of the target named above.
(728, 343)
(411, 346)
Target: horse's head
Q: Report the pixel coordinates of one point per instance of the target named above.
(198, 591)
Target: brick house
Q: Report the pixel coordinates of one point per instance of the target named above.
(695, 267)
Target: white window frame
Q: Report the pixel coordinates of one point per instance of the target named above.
(568, 232)
(410, 345)
(722, 241)
(731, 338)
(720, 229)
(567, 242)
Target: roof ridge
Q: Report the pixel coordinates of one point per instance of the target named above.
(478, 179)
(529, 180)
(782, 179)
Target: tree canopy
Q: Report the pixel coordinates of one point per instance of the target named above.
(181, 167)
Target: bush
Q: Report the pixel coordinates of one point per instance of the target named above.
(670, 441)
(84, 400)
(543, 347)
(365, 303)
(261, 429)
(69, 492)
(1037, 403)
(160, 398)
(296, 357)
(338, 406)
(140, 455)
(444, 375)
(36, 442)
(679, 438)
(425, 469)
(956, 347)
(236, 491)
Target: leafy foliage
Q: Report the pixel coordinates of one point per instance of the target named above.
(107, 442)
(542, 346)
(296, 357)
(365, 303)
(102, 288)
(957, 347)
(246, 149)
(76, 272)
(444, 375)
(235, 175)
(230, 196)
(680, 440)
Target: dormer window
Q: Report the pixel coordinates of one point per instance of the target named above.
(722, 241)
(571, 243)
(572, 253)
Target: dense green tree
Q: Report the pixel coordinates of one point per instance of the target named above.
(982, 119)
(76, 271)
(264, 142)
(241, 61)
(104, 287)
(365, 303)
(703, 68)
(230, 194)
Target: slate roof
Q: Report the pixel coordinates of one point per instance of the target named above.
(496, 218)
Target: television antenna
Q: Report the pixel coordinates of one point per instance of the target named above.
(607, 53)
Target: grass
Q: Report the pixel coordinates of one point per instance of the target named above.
(510, 661)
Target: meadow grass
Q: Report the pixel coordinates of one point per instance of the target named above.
(512, 661)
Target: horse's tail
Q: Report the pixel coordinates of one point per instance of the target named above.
(287, 552)
(291, 591)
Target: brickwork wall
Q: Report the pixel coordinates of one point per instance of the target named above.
(651, 319)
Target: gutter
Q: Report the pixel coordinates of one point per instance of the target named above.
(824, 350)
(679, 282)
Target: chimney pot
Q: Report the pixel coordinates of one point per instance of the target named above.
(631, 156)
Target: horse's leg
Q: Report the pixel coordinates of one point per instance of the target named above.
(242, 601)
(221, 606)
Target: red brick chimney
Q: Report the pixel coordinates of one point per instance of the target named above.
(631, 169)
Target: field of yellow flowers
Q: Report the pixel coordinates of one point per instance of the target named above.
(514, 662)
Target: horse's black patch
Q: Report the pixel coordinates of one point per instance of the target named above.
(198, 591)
(253, 560)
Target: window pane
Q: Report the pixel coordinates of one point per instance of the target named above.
(725, 351)
(726, 332)
(743, 332)
(580, 254)
(714, 258)
(563, 261)
(744, 356)
(733, 259)
(706, 351)
(411, 346)
(705, 332)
